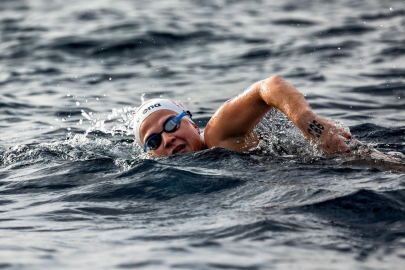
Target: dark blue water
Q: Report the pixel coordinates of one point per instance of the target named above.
(77, 193)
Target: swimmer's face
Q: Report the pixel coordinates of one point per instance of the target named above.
(185, 139)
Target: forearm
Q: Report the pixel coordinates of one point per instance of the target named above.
(280, 94)
(232, 124)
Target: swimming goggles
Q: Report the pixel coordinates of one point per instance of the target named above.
(170, 126)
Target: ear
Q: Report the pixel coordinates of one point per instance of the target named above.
(195, 126)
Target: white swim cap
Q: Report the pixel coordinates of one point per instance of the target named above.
(151, 106)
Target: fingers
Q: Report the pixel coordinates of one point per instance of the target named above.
(342, 147)
(345, 149)
(333, 137)
(343, 131)
(347, 135)
(336, 145)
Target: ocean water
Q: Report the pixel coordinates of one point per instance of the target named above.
(77, 193)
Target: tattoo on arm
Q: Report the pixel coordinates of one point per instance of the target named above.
(315, 129)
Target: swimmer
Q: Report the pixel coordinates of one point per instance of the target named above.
(163, 127)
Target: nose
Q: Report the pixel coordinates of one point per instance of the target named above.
(168, 139)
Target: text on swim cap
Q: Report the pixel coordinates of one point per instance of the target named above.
(151, 107)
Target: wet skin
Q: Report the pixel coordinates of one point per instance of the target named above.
(185, 139)
(232, 125)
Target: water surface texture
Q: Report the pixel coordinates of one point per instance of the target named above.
(77, 193)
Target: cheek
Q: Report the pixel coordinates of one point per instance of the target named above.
(195, 140)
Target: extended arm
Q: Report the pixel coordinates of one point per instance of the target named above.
(232, 125)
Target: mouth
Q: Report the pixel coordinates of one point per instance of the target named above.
(179, 149)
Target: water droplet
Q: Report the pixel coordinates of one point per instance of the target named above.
(110, 79)
(78, 103)
(63, 119)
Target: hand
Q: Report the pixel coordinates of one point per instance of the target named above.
(326, 134)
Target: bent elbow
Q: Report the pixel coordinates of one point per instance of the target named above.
(272, 84)
(272, 91)
(273, 80)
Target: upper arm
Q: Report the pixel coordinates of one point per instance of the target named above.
(233, 123)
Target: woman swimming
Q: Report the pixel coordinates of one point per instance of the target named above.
(163, 127)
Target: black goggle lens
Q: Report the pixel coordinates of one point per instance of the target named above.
(170, 126)
(154, 142)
